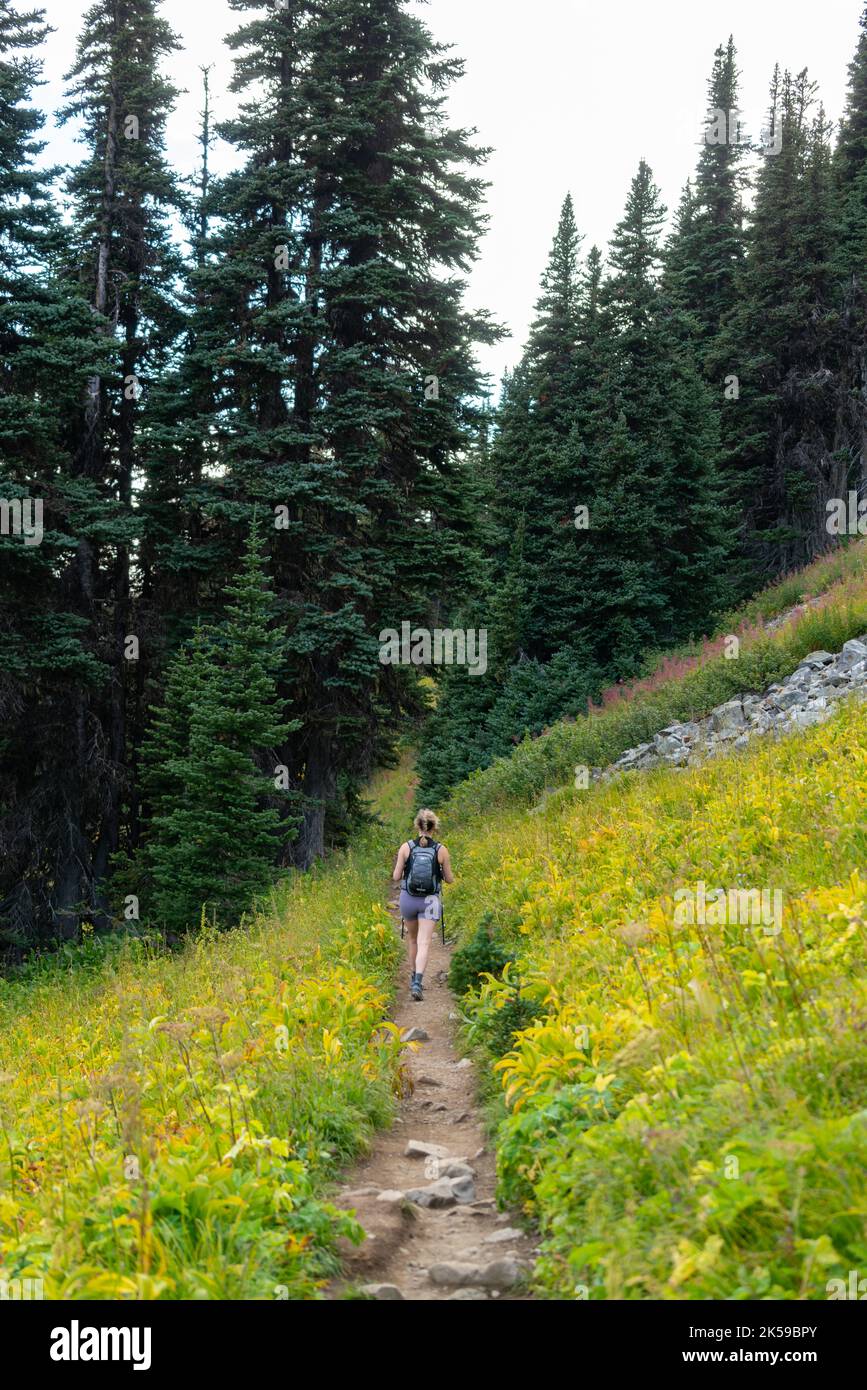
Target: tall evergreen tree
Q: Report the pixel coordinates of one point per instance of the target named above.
(705, 255)
(342, 355)
(653, 555)
(184, 552)
(850, 163)
(123, 260)
(849, 260)
(781, 460)
(215, 833)
(538, 407)
(48, 350)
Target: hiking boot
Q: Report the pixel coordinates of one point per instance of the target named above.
(415, 989)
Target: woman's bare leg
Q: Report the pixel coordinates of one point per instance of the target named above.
(420, 954)
(411, 942)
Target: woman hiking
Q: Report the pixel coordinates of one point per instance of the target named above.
(422, 865)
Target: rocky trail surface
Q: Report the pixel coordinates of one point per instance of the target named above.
(425, 1192)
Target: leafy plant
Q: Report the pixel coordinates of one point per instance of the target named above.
(483, 954)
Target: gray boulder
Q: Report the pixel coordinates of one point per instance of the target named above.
(435, 1195)
(728, 719)
(853, 653)
(445, 1192)
(507, 1233)
(420, 1148)
(463, 1188)
(415, 1035)
(857, 674)
(806, 718)
(789, 698)
(457, 1169)
(502, 1274)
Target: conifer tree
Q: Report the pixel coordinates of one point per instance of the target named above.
(849, 262)
(185, 553)
(215, 833)
(98, 318)
(705, 255)
(779, 428)
(539, 404)
(122, 258)
(342, 355)
(850, 164)
(48, 349)
(653, 556)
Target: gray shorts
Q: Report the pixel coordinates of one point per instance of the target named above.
(412, 907)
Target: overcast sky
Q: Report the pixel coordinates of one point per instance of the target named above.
(569, 93)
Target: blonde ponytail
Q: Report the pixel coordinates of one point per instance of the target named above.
(427, 823)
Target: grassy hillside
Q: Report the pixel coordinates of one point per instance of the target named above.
(170, 1123)
(685, 684)
(685, 1110)
(680, 1104)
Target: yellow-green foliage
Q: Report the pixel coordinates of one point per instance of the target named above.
(687, 1118)
(169, 1123)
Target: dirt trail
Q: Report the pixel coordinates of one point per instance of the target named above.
(405, 1240)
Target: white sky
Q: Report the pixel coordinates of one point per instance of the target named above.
(569, 93)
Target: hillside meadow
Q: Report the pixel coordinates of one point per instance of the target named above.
(676, 1097)
(682, 1110)
(171, 1123)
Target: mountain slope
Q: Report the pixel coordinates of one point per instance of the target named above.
(171, 1123)
(684, 1111)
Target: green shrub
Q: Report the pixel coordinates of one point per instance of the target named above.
(502, 1027)
(482, 955)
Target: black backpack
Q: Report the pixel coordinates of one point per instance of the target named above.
(423, 873)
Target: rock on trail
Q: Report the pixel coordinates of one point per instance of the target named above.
(425, 1192)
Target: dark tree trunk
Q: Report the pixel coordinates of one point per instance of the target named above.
(319, 786)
